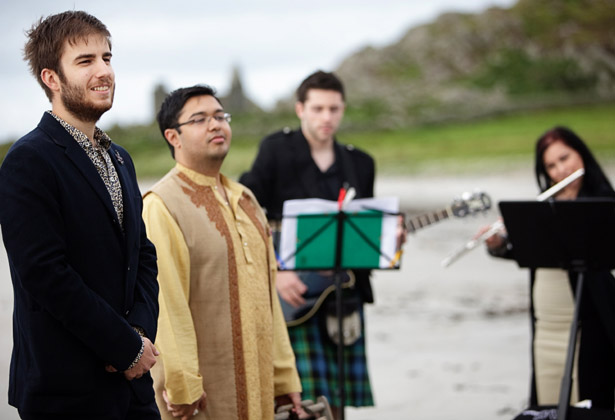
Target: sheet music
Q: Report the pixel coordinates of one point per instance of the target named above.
(358, 211)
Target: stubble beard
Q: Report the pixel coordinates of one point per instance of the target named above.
(73, 99)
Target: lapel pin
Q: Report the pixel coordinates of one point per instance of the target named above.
(119, 157)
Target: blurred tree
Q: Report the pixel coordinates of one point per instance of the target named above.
(160, 92)
(236, 101)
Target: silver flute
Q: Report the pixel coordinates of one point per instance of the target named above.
(498, 225)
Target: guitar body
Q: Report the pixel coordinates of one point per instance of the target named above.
(319, 287)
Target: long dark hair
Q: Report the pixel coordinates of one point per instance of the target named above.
(595, 183)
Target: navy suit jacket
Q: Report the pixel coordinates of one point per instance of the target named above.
(80, 282)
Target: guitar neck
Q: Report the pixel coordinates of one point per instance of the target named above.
(418, 222)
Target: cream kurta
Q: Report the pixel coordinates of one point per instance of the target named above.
(220, 328)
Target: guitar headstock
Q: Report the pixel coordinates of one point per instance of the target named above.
(471, 203)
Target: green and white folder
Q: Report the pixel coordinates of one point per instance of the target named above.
(309, 234)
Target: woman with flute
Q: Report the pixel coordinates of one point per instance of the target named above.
(559, 153)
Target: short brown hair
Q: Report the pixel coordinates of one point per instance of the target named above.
(46, 40)
(168, 115)
(320, 80)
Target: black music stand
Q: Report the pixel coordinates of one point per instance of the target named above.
(572, 235)
(342, 221)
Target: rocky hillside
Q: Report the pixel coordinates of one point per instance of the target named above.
(536, 53)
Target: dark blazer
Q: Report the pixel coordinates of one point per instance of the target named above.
(284, 170)
(80, 282)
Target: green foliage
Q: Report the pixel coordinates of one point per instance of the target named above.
(249, 127)
(4, 148)
(579, 22)
(480, 145)
(365, 113)
(146, 146)
(400, 69)
(486, 143)
(521, 74)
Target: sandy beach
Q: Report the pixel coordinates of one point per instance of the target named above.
(443, 343)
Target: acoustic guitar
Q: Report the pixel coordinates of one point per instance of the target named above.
(320, 284)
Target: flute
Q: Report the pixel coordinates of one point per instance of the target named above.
(561, 185)
(498, 225)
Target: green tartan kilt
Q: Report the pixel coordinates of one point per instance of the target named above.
(316, 357)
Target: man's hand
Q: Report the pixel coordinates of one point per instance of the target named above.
(145, 363)
(185, 411)
(293, 398)
(290, 288)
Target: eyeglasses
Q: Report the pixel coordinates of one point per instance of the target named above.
(205, 120)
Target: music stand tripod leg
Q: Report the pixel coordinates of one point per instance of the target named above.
(340, 341)
(341, 217)
(565, 390)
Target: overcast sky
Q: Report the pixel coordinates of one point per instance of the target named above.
(275, 43)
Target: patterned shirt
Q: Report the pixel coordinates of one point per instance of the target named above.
(99, 155)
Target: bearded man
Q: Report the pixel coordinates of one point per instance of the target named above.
(83, 271)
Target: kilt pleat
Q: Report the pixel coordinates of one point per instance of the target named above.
(316, 357)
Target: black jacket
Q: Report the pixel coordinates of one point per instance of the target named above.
(284, 170)
(80, 282)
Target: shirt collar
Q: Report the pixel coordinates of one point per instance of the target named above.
(235, 189)
(100, 137)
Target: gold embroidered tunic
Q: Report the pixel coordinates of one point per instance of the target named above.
(221, 328)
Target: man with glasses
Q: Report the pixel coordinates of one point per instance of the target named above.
(225, 352)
